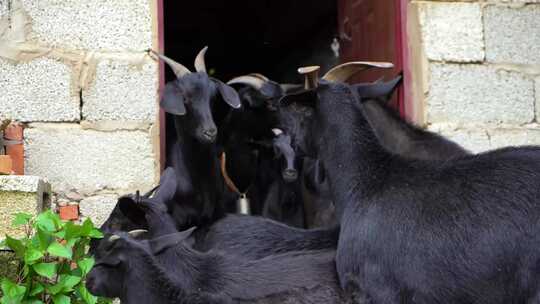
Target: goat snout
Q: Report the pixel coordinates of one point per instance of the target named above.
(290, 175)
(210, 134)
(90, 284)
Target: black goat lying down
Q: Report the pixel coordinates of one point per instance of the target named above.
(140, 272)
(423, 231)
(249, 237)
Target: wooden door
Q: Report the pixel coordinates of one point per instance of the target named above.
(372, 30)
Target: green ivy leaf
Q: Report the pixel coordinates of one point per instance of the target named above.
(60, 234)
(47, 270)
(65, 284)
(32, 301)
(59, 250)
(70, 281)
(21, 219)
(96, 234)
(44, 238)
(37, 289)
(87, 227)
(72, 242)
(48, 221)
(16, 245)
(86, 265)
(85, 295)
(72, 231)
(32, 255)
(13, 293)
(61, 299)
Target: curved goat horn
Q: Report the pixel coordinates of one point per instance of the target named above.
(200, 66)
(178, 69)
(150, 192)
(311, 74)
(113, 238)
(250, 80)
(345, 71)
(137, 232)
(277, 132)
(259, 75)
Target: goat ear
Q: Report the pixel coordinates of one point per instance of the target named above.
(159, 244)
(314, 175)
(173, 100)
(129, 209)
(308, 97)
(229, 95)
(377, 89)
(167, 186)
(271, 89)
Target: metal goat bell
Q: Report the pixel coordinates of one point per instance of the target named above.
(242, 204)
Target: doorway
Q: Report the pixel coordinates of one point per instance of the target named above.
(275, 37)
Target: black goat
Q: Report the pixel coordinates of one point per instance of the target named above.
(249, 237)
(424, 231)
(193, 154)
(127, 269)
(253, 152)
(277, 181)
(190, 98)
(393, 132)
(136, 272)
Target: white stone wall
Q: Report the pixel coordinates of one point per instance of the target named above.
(76, 72)
(480, 70)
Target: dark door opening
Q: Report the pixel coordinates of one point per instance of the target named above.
(275, 37)
(269, 37)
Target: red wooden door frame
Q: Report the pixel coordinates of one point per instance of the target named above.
(366, 35)
(162, 121)
(405, 93)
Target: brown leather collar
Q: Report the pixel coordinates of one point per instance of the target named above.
(228, 181)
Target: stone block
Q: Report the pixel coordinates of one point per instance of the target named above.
(121, 92)
(479, 94)
(118, 25)
(452, 31)
(474, 140)
(39, 90)
(98, 208)
(537, 93)
(512, 34)
(511, 137)
(3, 8)
(87, 160)
(28, 194)
(478, 138)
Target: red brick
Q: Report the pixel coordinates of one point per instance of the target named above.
(14, 131)
(69, 212)
(6, 165)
